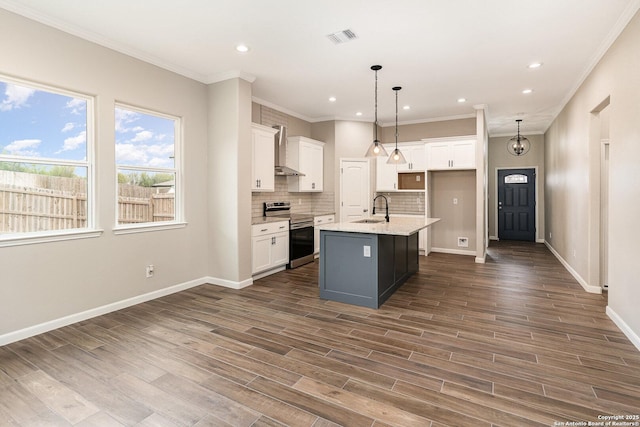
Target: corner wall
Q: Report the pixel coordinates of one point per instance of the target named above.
(41, 283)
(569, 183)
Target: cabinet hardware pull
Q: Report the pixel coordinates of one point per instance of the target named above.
(264, 229)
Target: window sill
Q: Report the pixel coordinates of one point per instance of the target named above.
(45, 237)
(144, 228)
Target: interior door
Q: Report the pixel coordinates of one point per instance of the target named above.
(354, 185)
(517, 204)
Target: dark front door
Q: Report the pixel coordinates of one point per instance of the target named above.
(517, 204)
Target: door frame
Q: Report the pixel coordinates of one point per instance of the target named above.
(369, 168)
(537, 207)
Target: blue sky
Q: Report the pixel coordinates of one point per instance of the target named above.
(37, 123)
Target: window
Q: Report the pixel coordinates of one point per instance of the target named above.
(46, 176)
(516, 179)
(147, 165)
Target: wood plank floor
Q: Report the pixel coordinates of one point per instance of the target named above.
(513, 342)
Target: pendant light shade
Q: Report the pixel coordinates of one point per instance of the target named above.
(396, 157)
(376, 148)
(518, 145)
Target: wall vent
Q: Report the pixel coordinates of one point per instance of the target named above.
(342, 36)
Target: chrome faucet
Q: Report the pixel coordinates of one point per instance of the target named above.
(386, 203)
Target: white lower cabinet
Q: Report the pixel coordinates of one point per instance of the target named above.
(320, 220)
(269, 246)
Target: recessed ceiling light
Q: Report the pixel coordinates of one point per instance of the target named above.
(242, 48)
(527, 91)
(462, 100)
(359, 113)
(535, 65)
(332, 99)
(407, 107)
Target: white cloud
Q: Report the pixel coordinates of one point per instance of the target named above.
(144, 135)
(15, 97)
(74, 142)
(124, 118)
(67, 127)
(76, 105)
(23, 147)
(153, 155)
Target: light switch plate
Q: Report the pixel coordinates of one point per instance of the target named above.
(367, 251)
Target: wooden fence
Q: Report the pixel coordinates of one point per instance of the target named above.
(27, 208)
(134, 210)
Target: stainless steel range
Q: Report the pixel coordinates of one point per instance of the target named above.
(300, 232)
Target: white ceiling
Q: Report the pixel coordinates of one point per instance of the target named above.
(437, 50)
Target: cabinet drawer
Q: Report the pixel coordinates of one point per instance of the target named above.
(269, 228)
(324, 219)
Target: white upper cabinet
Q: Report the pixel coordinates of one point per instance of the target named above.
(414, 153)
(386, 174)
(451, 154)
(305, 155)
(262, 158)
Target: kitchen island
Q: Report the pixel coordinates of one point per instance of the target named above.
(363, 263)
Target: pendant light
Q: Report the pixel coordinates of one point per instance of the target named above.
(396, 157)
(518, 145)
(376, 148)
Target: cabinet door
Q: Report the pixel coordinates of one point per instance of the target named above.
(311, 164)
(438, 155)
(415, 158)
(262, 160)
(418, 159)
(280, 249)
(386, 175)
(463, 154)
(320, 220)
(261, 253)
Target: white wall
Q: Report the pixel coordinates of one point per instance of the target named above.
(570, 159)
(43, 282)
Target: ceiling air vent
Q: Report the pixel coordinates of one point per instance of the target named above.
(342, 36)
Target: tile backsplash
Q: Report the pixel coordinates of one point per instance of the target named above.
(410, 203)
(300, 202)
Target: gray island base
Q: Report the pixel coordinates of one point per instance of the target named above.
(364, 264)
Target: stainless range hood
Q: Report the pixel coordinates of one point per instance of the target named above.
(280, 147)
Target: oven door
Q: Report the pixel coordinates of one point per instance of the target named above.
(300, 244)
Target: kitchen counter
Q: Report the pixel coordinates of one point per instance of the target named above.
(365, 263)
(266, 219)
(397, 226)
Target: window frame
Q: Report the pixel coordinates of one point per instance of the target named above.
(177, 170)
(91, 230)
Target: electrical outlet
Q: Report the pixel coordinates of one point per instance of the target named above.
(455, 200)
(463, 242)
(367, 251)
(150, 270)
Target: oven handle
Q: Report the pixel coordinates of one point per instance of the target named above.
(300, 226)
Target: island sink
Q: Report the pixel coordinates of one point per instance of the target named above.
(368, 221)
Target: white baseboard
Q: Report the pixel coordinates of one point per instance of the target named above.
(583, 283)
(493, 238)
(228, 283)
(454, 251)
(481, 259)
(269, 272)
(540, 241)
(119, 305)
(633, 337)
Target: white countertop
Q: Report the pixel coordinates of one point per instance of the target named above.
(397, 226)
